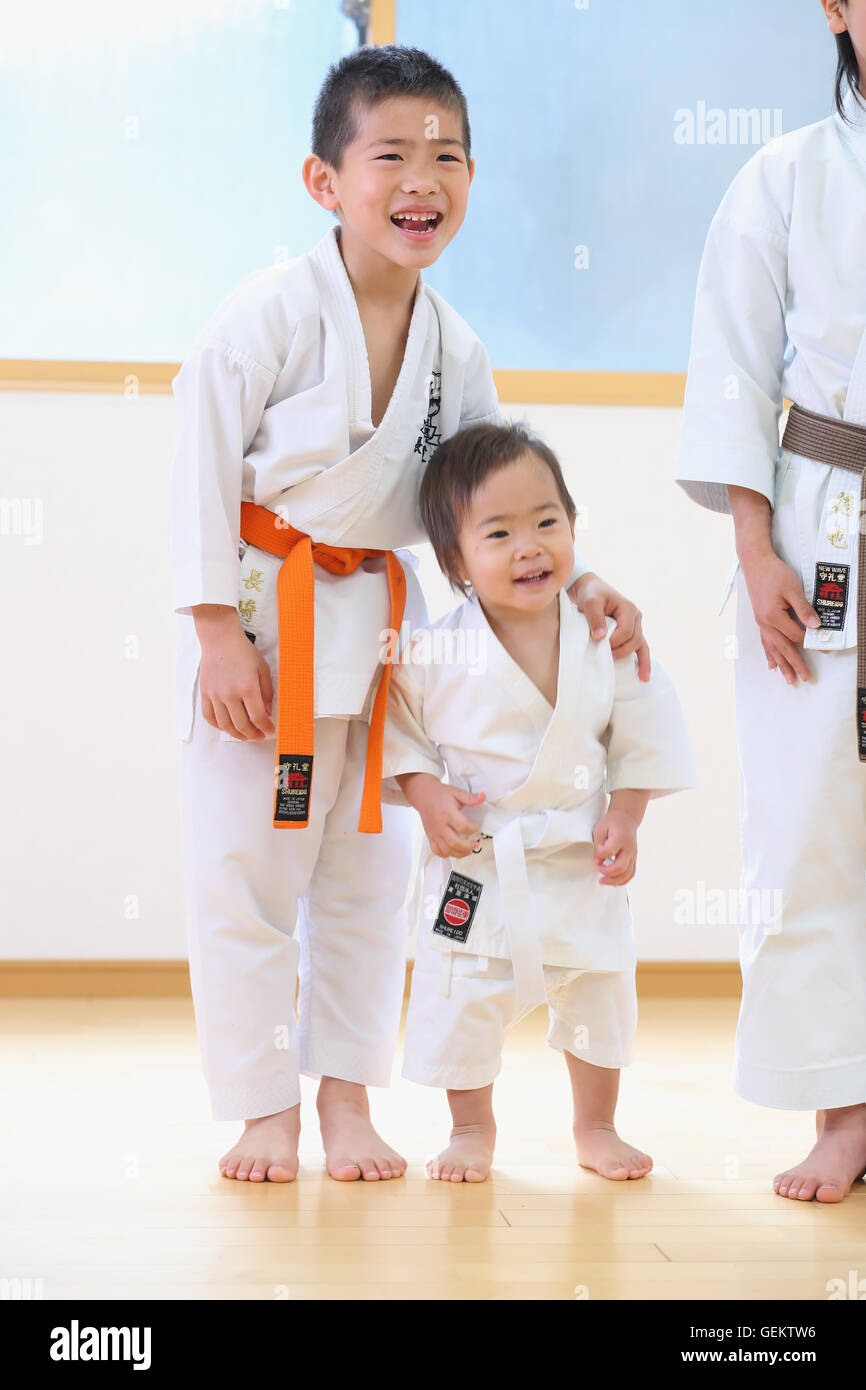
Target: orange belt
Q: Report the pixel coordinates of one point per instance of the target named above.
(295, 609)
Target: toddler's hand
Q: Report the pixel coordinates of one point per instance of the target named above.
(451, 834)
(615, 838)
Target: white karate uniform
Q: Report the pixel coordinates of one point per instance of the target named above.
(781, 312)
(543, 926)
(275, 409)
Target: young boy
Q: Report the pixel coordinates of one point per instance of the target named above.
(310, 405)
(532, 749)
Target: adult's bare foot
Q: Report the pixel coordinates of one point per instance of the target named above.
(353, 1149)
(835, 1162)
(267, 1149)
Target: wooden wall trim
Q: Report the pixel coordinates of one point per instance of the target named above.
(170, 978)
(528, 387)
(591, 388)
(94, 978)
(106, 378)
(382, 28)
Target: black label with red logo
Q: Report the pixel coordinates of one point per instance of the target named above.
(861, 723)
(294, 779)
(457, 907)
(831, 595)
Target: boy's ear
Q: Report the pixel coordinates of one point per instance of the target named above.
(471, 167)
(319, 182)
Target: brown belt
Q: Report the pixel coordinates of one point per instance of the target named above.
(840, 444)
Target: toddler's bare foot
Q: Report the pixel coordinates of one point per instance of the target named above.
(468, 1156)
(599, 1147)
(353, 1149)
(267, 1149)
(836, 1161)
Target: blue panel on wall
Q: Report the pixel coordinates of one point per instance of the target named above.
(573, 115)
(157, 153)
(156, 160)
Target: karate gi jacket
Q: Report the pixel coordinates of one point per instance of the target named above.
(780, 312)
(462, 706)
(275, 408)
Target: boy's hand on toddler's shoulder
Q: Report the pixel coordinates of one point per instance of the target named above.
(235, 682)
(596, 601)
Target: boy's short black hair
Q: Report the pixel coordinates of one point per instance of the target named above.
(457, 470)
(369, 75)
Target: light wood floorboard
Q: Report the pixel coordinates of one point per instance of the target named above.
(109, 1186)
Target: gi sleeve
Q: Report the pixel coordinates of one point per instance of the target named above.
(648, 745)
(733, 396)
(221, 392)
(407, 746)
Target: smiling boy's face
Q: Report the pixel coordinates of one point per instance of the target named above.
(403, 184)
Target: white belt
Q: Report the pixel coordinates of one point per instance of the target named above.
(513, 833)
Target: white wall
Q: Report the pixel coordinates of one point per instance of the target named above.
(90, 818)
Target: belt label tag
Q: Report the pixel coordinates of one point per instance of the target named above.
(457, 907)
(294, 780)
(861, 723)
(830, 600)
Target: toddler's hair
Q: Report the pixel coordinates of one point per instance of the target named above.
(457, 470)
(369, 75)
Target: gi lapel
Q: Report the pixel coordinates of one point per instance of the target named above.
(346, 312)
(855, 396)
(508, 820)
(571, 695)
(499, 665)
(837, 559)
(344, 488)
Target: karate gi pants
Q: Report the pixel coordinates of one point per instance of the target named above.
(801, 1034)
(248, 884)
(461, 1005)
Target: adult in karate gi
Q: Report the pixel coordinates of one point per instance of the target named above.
(552, 751)
(310, 405)
(781, 312)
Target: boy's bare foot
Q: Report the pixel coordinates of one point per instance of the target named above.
(353, 1149)
(468, 1156)
(599, 1147)
(267, 1149)
(836, 1161)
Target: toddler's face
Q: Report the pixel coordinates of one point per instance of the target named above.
(517, 527)
(407, 158)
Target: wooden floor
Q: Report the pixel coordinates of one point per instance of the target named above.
(110, 1187)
